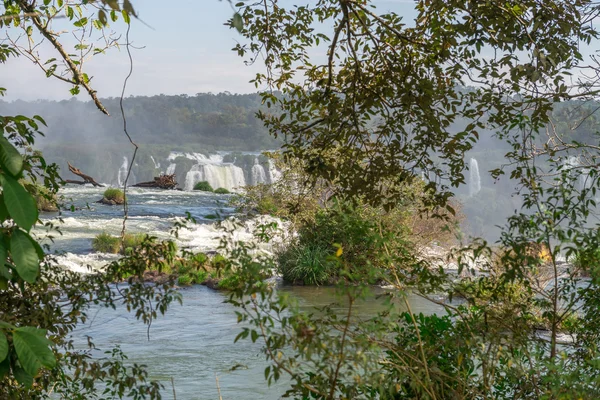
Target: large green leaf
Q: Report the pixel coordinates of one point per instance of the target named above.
(20, 204)
(4, 368)
(24, 255)
(33, 349)
(11, 159)
(23, 377)
(3, 346)
(3, 256)
(3, 211)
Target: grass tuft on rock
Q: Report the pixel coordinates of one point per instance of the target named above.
(114, 194)
(222, 191)
(107, 243)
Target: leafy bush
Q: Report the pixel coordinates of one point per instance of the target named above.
(203, 186)
(114, 194)
(308, 264)
(232, 281)
(46, 200)
(360, 237)
(184, 280)
(106, 243)
(222, 191)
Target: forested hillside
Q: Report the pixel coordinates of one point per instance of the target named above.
(205, 121)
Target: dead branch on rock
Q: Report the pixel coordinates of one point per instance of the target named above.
(86, 178)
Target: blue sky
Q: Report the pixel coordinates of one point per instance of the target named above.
(186, 50)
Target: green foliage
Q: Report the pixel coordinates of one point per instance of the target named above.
(106, 243)
(222, 191)
(309, 264)
(46, 200)
(114, 194)
(184, 280)
(133, 241)
(41, 302)
(200, 123)
(388, 104)
(358, 235)
(203, 186)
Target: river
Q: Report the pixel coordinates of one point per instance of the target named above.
(192, 345)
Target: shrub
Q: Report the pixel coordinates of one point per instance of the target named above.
(184, 280)
(231, 282)
(200, 276)
(114, 194)
(222, 191)
(361, 236)
(203, 186)
(308, 264)
(106, 243)
(45, 199)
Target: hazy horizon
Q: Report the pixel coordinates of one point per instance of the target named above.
(186, 53)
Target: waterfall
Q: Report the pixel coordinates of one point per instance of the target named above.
(122, 174)
(156, 165)
(171, 169)
(274, 173)
(226, 176)
(474, 178)
(258, 173)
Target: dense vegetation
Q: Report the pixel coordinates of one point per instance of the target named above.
(205, 121)
(385, 108)
(359, 156)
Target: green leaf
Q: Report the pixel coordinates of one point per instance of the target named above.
(102, 17)
(128, 8)
(3, 346)
(23, 377)
(24, 255)
(3, 211)
(33, 349)
(237, 22)
(20, 204)
(114, 4)
(126, 17)
(81, 23)
(11, 159)
(4, 368)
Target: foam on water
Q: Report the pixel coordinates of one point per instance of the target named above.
(205, 237)
(84, 263)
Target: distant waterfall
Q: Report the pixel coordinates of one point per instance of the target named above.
(474, 178)
(274, 173)
(156, 165)
(226, 176)
(122, 174)
(171, 169)
(258, 173)
(585, 182)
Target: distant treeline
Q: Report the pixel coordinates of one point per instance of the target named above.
(207, 121)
